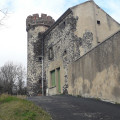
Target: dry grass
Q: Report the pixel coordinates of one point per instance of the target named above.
(21, 96)
(14, 108)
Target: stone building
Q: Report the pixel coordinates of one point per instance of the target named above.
(68, 55)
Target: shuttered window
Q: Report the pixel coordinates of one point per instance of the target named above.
(53, 78)
(59, 82)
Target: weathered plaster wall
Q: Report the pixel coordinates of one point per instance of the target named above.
(74, 36)
(75, 33)
(86, 21)
(88, 15)
(85, 24)
(97, 73)
(107, 25)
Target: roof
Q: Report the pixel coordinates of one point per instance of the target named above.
(62, 17)
(57, 22)
(67, 13)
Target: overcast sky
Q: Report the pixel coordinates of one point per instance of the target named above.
(13, 36)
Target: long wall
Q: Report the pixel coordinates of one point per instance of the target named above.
(97, 73)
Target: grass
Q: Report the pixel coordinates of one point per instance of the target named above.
(13, 108)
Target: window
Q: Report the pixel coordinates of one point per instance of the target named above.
(64, 23)
(50, 52)
(58, 79)
(40, 58)
(53, 78)
(51, 55)
(65, 52)
(98, 22)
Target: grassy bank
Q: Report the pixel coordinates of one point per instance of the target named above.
(13, 108)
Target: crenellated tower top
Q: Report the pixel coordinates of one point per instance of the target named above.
(35, 20)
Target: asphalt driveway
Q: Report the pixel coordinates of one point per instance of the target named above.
(76, 108)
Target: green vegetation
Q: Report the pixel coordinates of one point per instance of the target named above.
(13, 108)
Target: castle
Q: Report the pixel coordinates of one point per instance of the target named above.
(78, 54)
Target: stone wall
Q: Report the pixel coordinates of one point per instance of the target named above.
(35, 27)
(64, 47)
(34, 65)
(74, 34)
(35, 20)
(97, 73)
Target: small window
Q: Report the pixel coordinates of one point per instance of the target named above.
(50, 51)
(53, 78)
(98, 22)
(28, 25)
(40, 58)
(64, 23)
(51, 55)
(65, 52)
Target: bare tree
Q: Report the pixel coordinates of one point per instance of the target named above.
(21, 74)
(1, 83)
(9, 76)
(3, 15)
(12, 77)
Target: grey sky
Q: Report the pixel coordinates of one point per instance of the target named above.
(13, 36)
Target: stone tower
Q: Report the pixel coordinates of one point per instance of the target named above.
(35, 27)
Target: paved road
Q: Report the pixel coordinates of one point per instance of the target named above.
(75, 108)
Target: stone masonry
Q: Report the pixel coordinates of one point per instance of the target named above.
(54, 47)
(35, 26)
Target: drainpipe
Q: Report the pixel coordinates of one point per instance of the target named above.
(42, 69)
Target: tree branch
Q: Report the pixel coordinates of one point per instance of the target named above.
(4, 12)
